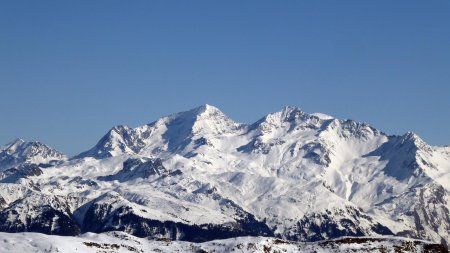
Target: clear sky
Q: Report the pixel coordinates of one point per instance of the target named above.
(70, 70)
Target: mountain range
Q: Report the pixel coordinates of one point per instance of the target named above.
(199, 176)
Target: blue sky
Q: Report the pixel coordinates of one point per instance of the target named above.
(70, 70)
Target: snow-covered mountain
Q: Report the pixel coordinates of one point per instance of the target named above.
(20, 152)
(199, 176)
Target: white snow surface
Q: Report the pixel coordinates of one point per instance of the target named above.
(119, 242)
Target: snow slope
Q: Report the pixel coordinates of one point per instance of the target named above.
(121, 243)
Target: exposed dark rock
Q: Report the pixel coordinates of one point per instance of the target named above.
(12, 175)
(103, 217)
(334, 224)
(83, 182)
(123, 219)
(47, 220)
(317, 152)
(257, 146)
(137, 168)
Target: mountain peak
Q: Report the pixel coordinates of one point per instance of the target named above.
(18, 141)
(207, 108)
(207, 111)
(411, 137)
(175, 129)
(207, 119)
(203, 112)
(119, 129)
(20, 151)
(19, 144)
(15, 143)
(415, 140)
(290, 112)
(119, 140)
(287, 114)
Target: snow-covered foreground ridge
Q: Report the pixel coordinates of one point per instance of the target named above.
(121, 242)
(199, 176)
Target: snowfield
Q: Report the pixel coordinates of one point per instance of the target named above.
(119, 242)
